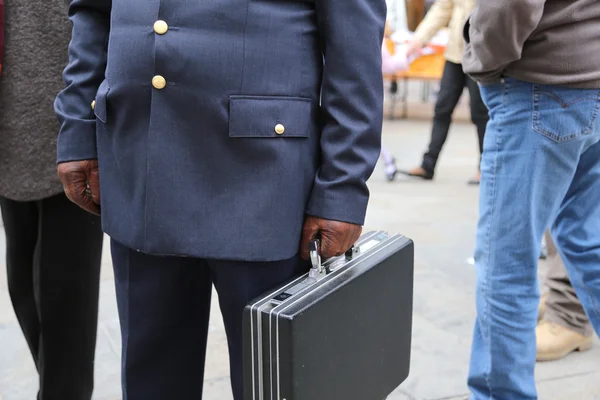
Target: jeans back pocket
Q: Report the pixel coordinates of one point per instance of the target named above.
(564, 114)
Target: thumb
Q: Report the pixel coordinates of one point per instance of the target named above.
(309, 232)
(94, 183)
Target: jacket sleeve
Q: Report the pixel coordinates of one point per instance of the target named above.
(437, 17)
(495, 34)
(82, 76)
(351, 106)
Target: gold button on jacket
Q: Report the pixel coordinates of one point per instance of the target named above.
(279, 129)
(161, 27)
(93, 104)
(159, 82)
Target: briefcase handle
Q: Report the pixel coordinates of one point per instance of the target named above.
(317, 262)
(315, 258)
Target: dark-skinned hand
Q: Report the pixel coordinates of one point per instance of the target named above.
(336, 237)
(81, 182)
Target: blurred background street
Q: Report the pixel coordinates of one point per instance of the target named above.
(440, 216)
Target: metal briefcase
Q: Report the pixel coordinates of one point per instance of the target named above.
(340, 332)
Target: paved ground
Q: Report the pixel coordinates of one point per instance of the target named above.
(440, 216)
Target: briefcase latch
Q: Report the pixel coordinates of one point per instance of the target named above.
(352, 252)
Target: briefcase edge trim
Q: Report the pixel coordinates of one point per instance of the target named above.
(256, 353)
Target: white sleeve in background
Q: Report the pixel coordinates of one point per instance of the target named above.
(396, 15)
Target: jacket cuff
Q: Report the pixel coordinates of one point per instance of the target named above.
(474, 69)
(77, 141)
(343, 206)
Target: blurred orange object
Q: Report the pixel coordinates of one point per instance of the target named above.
(430, 67)
(437, 49)
(391, 46)
(427, 67)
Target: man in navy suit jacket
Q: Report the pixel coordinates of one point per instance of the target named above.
(223, 135)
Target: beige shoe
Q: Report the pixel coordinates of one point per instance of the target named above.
(555, 341)
(418, 172)
(542, 306)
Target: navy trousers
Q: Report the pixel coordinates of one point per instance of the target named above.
(164, 307)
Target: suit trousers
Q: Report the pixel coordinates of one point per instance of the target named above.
(164, 309)
(53, 251)
(562, 305)
(452, 86)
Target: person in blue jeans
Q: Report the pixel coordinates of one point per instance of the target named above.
(538, 66)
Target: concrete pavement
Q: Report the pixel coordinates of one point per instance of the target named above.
(439, 216)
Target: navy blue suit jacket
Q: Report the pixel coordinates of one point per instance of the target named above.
(270, 110)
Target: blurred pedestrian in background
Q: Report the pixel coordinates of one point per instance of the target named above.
(53, 247)
(537, 65)
(563, 326)
(452, 13)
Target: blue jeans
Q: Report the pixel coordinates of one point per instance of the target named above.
(540, 168)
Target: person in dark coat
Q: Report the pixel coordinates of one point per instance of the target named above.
(217, 139)
(53, 247)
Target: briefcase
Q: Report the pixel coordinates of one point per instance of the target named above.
(340, 332)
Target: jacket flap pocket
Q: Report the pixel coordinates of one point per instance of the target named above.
(100, 101)
(269, 116)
